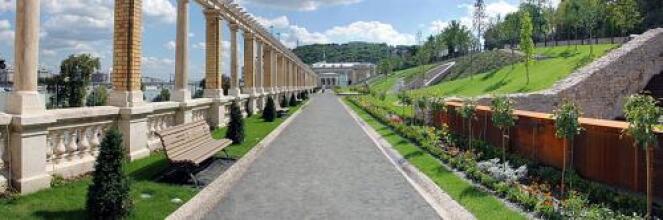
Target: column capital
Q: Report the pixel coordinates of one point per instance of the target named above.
(248, 35)
(234, 27)
(212, 13)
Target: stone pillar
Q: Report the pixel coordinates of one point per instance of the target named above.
(249, 70)
(28, 137)
(274, 71)
(126, 77)
(181, 92)
(213, 73)
(213, 55)
(234, 64)
(258, 77)
(268, 69)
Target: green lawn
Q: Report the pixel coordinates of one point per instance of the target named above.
(385, 84)
(483, 205)
(67, 200)
(543, 74)
(256, 130)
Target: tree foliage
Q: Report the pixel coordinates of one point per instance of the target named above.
(269, 112)
(163, 96)
(526, 42)
(108, 196)
(567, 126)
(98, 97)
(642, 114)
(236, 126)
(75, 75)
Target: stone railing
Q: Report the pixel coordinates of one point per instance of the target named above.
(73, 140)
(4, 152)
(164, 116)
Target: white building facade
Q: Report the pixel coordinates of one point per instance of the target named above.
(342, 74)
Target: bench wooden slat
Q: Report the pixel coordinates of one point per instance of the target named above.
(190, 143)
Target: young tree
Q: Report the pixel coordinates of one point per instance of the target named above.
(236, 126)
(567, 127)
(269, 113)
(526, 42)
(163, 96)
(642, 114)
(479, 20)
(590, 17)
(625, 15)
(503, 118)
(108, 196)
(293, 100)
(468, 111)
(98, 97)
(77, 71)
(512, 32)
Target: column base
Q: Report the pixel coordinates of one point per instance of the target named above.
(32, 184)
(125, 98)
(213, 93)
(25, 102)
(250, 91)
(234, 92)
(132, 125)
(180, 95)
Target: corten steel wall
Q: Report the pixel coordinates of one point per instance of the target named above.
(601, 152)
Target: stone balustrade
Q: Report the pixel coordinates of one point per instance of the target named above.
(4, 152)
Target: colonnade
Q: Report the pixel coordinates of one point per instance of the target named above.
(270, 69)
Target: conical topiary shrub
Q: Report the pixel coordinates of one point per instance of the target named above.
(247, 107)
(236, 127)
(284, 102)
(269, 113)
(108, 196)
(293, 101)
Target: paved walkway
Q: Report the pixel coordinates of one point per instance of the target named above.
(323, 166)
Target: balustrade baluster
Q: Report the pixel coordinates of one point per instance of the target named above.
(72, 146)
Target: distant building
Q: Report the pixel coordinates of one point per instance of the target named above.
(343, 74)
(100, 78)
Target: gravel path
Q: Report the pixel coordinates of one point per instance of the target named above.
(323, 166)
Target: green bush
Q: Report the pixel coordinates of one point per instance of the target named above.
(284, 102)
(247, 108)
(293, 101)
(108, 196)
(236, 127)
(269, 112)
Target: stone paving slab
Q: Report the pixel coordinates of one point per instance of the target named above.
(322, 166)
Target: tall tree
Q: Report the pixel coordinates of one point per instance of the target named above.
(77, 71)
(624, 14)
(479, 19)
(526, 42)
(503, 118)
(590, 17)
(642, 114)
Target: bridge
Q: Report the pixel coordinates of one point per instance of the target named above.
(64, 142)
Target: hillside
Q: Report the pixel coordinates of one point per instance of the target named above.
(556, 63)
(350, 52)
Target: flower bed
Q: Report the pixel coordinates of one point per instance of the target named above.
(537, 191)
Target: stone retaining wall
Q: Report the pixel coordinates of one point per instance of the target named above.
(601, 87)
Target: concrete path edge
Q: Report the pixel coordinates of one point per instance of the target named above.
(441, 202)
(203, 202)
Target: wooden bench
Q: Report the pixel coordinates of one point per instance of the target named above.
(188, 145)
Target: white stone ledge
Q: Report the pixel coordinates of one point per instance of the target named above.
(84, 112)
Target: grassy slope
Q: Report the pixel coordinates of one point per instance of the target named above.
(543, 74)
(479, 203)
(385, 84)
(67, 201)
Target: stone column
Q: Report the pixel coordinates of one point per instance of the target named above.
(258, 77)
(267, 69)
(213, 73)
(234, 64)
(28, 137)
(127, 55)
(213, 55)
(249, 71)
(181, 92)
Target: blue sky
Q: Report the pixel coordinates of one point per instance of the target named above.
(85, 26)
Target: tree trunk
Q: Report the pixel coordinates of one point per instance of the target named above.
(503, 151)
(650, 173)
(563, 168)
(469, 140)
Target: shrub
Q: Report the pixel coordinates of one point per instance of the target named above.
(509, 175)
(293, 100)
(163, 96)
(236, 127)
(269, 113)
(284, 102)
(98, 97)
(247, 108)
(108, 196)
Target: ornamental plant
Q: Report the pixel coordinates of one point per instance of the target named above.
(422, 105)
(468, 112)
(567, 127)
(293, 100)
(108, 196)
(642, 114)
(284, 102)
(503, 118)
(236, 126)
(269, 112)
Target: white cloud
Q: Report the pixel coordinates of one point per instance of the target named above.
(501, 8)
(6, 33)
(154, 66)
(299, 5)
(170, 45)
(200, 46)
(161, 9)
(369, 31)
(7, 5)
(437, 26)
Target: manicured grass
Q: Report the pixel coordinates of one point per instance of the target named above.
(481, 204)
(561, 62)
(385, 84)
(67, 200)
(256, 129)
